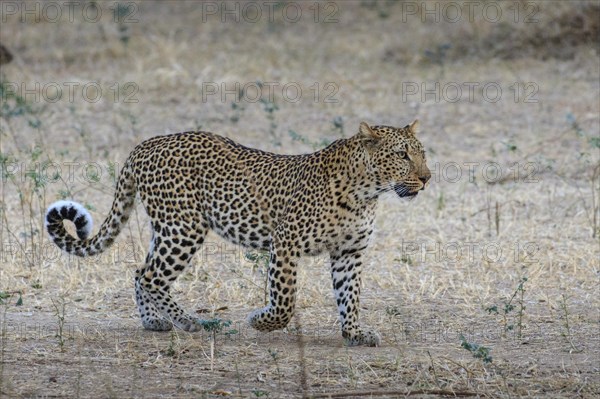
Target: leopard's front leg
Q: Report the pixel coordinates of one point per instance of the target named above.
(346, 268)
(282, 286)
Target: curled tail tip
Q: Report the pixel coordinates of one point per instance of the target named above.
(70, 210)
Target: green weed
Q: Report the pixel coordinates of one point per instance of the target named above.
(338, 125)
(305, 140)
(237, 109)
(588, 158)
(59, 306)
(275, 356)
(121, 13)
(508, 306)
(215, 326)
(567, 334)
(14, 105)
(270, 108)
(478, 351)
(172, 348)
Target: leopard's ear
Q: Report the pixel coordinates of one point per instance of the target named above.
(367, 133)
(413, 127)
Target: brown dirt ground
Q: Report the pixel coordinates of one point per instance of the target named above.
(435, 264)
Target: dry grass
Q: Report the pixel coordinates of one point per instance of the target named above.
(505, 30)
(418, 292)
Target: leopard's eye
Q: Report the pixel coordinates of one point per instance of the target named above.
(404, 155)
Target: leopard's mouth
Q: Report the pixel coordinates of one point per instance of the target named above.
(404, 191)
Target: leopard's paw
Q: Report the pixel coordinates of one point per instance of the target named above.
(362, 336)
(264, 320)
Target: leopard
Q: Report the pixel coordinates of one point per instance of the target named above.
(292, 206)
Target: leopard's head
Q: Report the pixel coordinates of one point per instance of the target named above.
(396, 158)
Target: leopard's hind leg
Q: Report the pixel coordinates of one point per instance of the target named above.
(173, 247)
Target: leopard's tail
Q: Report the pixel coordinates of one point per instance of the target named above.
(69, 210)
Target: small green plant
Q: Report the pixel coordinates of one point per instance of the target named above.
(236, 109)
(493, 215)
(14, 105)
(5, 297)
(382, 8)
(405, 258)
(392, 311)
(270, 108)
(171, 350)
(497, 219)
(59, 306)
(238, 377)
(305, 140)
(31, 190)
(593, 143)
(478, 351)
(593, 140)
(441, 202)
(275, 356)
(436, 379)
(121, 13)
(215, 326)
(258, 393)
(113, 171)
(32, 184)
(510, 146)
(567, 334)
(338, 125)
(509, 306)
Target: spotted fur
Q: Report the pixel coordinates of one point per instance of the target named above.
(292, 205)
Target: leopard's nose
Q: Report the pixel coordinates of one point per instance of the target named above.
(424, 179)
